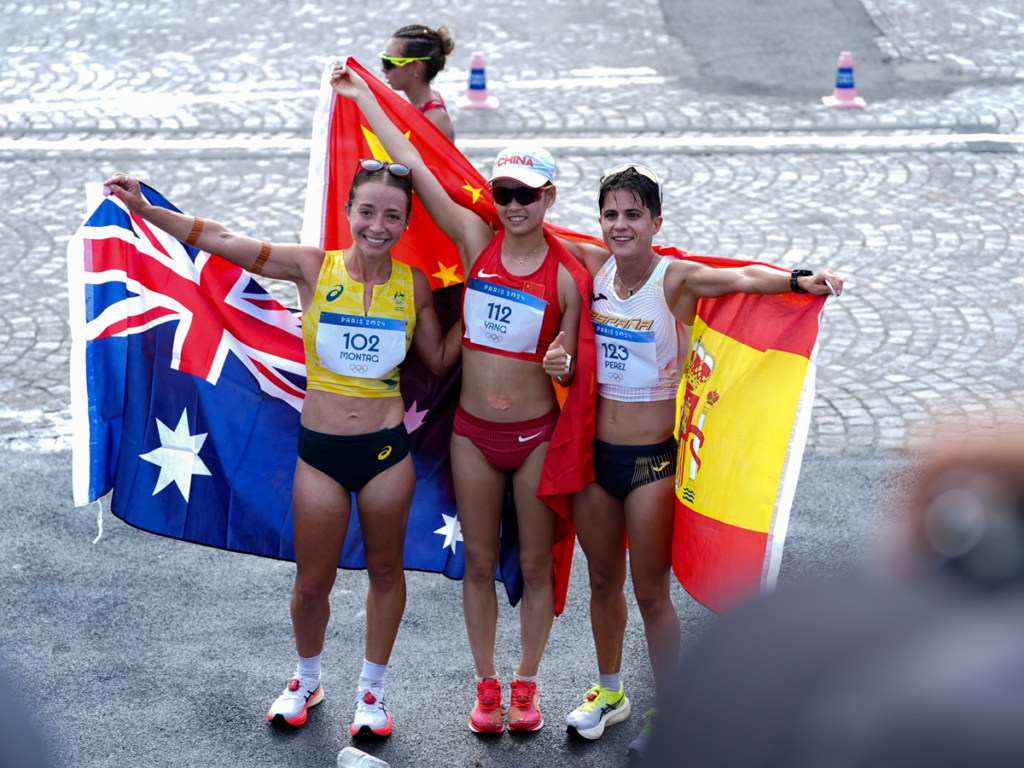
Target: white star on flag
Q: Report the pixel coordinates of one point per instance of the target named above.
(177, 456)
(451, 530)
(413, 419)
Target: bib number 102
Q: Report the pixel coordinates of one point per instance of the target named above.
(501, 313)
(615, 351)
(361, 342)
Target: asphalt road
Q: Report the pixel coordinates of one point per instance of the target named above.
(143, 651)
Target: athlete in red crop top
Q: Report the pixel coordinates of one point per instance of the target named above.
(508, 407)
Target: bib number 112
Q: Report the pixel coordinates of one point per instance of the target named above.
(501, 313)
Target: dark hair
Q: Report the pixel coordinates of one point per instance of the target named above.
(383, 176)
(642, 188)
(418, 40)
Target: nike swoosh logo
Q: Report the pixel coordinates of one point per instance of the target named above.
(661, 466)
(524, 439)
(484, 274)
(598, 297)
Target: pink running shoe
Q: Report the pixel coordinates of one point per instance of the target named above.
(524, 709)
(486, 716)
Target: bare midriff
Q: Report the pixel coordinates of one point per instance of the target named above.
(335, 414)
(504, 389)
(635, 423)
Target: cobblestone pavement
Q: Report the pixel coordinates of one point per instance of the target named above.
(927, 239)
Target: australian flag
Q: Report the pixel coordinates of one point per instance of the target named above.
(187, 383)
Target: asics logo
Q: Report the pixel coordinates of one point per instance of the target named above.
(385, 452)
(484, 274)
(525, 439)
(335, 292)
(661, 466)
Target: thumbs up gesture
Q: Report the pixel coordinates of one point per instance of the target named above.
(556, 359)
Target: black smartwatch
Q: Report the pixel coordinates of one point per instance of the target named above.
(797, 273)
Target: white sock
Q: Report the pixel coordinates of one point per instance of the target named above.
(308, 669)
(373, 675)
(489, 677)
(610, 682)
(525, 678)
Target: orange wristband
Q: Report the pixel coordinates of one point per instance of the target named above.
(257, 268)
(197, 228)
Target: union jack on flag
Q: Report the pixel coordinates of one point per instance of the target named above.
(187, 383)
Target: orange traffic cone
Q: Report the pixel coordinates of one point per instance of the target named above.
(845, 93)
(476, 94)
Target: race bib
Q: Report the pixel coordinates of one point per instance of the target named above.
(626, 358)
(365, 347)
(502, 318)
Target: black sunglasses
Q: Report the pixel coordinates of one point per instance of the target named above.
(522, 195)
(395, 169)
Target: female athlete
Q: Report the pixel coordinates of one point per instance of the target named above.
(521, 314)
(634, 449)
(413, 57)
(351, 437)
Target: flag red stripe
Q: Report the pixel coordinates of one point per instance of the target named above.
(136, 321)
(786, 322)
(717, 563)
(277, 379)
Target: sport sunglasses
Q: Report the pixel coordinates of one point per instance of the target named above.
(522, 195)
(372, 165)
(643, 170)
(390, 62)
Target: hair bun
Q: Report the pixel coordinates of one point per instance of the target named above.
(444, 35)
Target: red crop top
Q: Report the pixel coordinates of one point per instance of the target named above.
(503, 321)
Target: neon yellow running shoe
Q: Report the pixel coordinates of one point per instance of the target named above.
(639, 745)
(600, 707)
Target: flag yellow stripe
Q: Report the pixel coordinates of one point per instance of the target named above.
(746, 424)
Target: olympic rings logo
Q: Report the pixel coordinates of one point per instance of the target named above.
(358, 368)
(615, 376)
(495, 337)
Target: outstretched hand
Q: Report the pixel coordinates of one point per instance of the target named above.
(347, 83)
(126, 188)
(824, 283)
(556, 356)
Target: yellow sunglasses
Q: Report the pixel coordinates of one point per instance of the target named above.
(390, 62)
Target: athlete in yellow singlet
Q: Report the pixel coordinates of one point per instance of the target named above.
(361, 312)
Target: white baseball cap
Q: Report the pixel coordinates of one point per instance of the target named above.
(525, 162)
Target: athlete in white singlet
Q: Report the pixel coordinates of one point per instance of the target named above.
(644, 306)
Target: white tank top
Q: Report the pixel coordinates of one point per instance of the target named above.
(641, 346)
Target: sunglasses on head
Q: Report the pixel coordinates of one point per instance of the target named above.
(395, 169)
(522, 195)
(643, 170)
(390, 62)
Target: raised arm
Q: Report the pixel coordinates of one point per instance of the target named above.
(469, 232)
(283, 261)
(439, 351)
(688, 281)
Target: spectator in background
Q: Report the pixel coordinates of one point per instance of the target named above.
(413, 57)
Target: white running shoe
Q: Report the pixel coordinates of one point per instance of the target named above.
(600, 707)
(372, 717)
(292, 705)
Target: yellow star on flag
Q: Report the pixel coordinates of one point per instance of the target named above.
(376, 148)
(447, 274)
(476, 193)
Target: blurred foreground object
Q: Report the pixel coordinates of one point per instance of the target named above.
(20, 746)
(921, 664)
